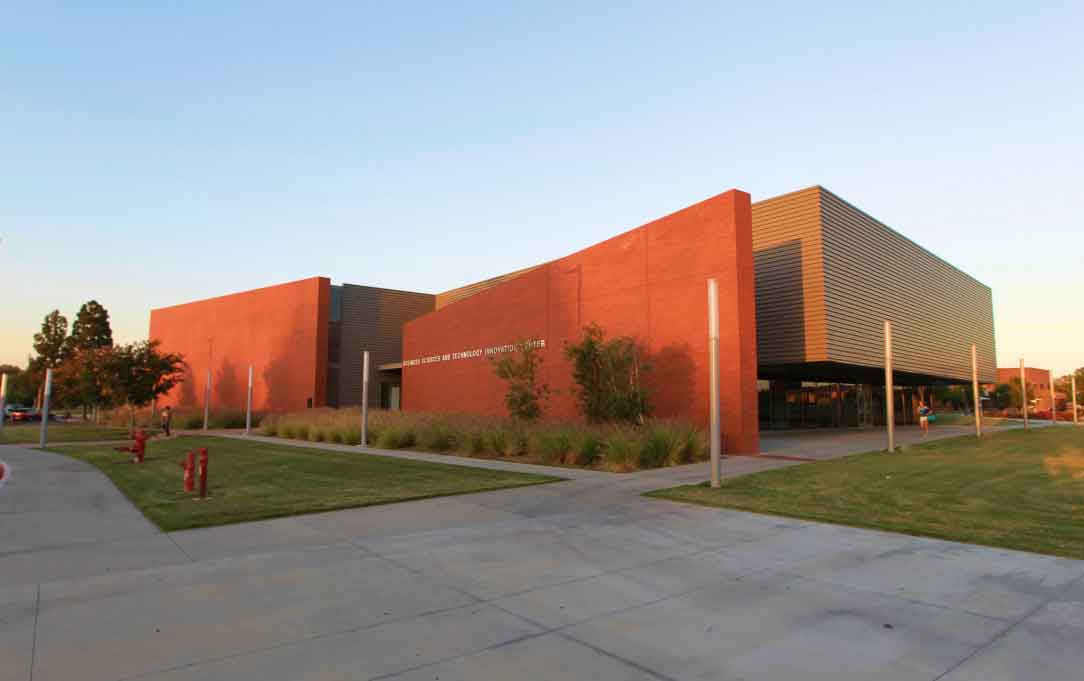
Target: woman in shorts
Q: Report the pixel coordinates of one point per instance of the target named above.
(924, 419)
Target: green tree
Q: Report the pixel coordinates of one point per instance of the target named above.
(525, 395)
(52, 346)
(137, 373)
(91, 327)
(20, 387)
(608, 375)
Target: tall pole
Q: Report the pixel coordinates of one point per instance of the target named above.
(1072, 382)
(48, 394)
(890, 401)
(1053, 401)
(248, 407)
(975, 389)
(207, 400)
(3, 401)
(713, 383)
(365, 399)
(1023, 393)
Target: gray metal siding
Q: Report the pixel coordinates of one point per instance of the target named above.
(372, 319)
(872, 273)
(457, 294)
(789, 273)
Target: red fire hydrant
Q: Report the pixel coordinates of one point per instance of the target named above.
(203, 473)
(189, 472)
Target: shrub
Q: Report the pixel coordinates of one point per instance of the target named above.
(351, 436)
(436, 435)
(655, 448)
(525, 395)
(499, 441)
(553, 446)
(621, 451)
(589, 449)
(394, 438)
(608, 376)
(476, 442)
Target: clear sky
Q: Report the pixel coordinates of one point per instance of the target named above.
(153, 153)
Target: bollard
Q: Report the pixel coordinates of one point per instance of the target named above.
(140, 447)
(189, 466)
(203, 473)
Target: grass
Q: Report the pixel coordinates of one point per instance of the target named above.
(614, 448)
(255, 480)
(28, 433)
(1016, 489)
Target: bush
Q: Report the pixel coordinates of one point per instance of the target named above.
(655, 448)
(436, 435)
(614, 447)
(621, 451)
(476, 442)
(589, 450)
(394, 438)
(553, 446)
(499, 441)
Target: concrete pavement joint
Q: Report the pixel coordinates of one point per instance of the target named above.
(1004, 632)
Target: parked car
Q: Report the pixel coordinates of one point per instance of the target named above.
(22, 414)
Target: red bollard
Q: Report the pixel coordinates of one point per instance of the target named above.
(189, 472)
(203, 473)
(140, 447)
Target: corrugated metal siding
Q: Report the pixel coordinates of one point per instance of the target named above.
(788, 261)
(455, 294)
(872, 273)
(372, 319)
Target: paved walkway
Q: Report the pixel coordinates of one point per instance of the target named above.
(582, 579)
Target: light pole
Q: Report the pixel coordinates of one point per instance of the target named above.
(1024, 393)
(975, 390)
(890, 402)
(713, 382)
(365, 398)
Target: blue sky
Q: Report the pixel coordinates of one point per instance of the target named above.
(153, 153)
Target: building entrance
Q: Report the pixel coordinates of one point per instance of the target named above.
(806, 404)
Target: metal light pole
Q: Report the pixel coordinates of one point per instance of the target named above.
(975, 389)
(248, 407)
(1072, 381)
(1053, 402)
(713, 382)
(45, 408)
(207, 400)
(365, 398)
(1023, 393)
(3, 401)
(890, 402)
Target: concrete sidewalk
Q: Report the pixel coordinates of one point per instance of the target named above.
(583, 579)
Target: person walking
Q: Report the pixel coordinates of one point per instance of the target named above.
(924, 419)
(167, 419)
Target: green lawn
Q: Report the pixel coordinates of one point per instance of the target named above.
(1016, 489)
(28, 433)
(254, 480)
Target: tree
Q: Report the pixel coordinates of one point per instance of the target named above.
(1064, 385)
(137, 373)
(83, 379)
(91, 327)
(91, 332)
(525, 396)
(51, 344)
(20, 388)
(608, 375)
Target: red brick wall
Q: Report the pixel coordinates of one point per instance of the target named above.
(280, 330)
(649, 283)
